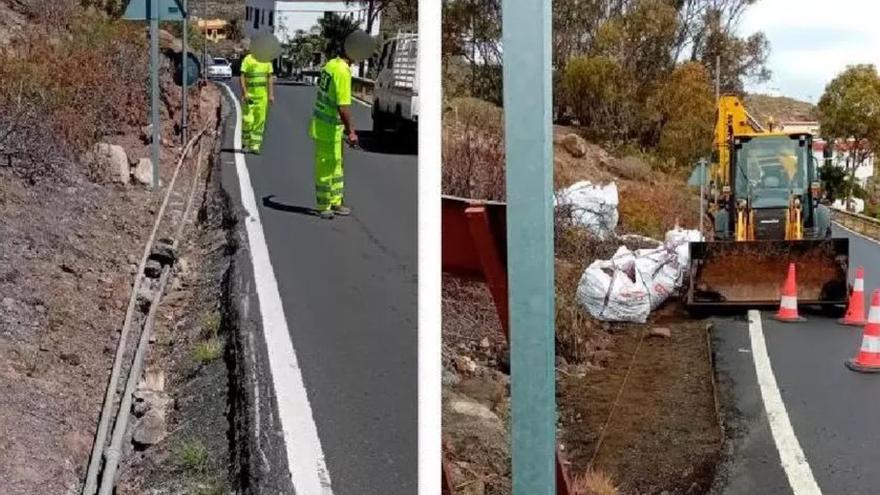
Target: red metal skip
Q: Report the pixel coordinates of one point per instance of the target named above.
(475, 248)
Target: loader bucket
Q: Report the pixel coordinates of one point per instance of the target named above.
(751, 273)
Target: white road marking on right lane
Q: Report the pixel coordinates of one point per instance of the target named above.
(794, 462)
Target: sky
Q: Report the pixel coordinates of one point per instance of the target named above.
(811, 41)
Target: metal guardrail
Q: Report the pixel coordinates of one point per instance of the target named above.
(863, 224)
(360, 87)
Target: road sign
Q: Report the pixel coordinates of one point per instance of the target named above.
(167, 10)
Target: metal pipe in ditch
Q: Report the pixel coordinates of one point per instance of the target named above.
(103, 424)
(114, 452)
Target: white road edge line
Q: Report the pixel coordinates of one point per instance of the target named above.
(851, 231)
(794, 462)
(305, 457)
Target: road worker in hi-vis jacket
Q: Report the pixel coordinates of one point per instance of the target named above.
(256, 87)
(331, 121)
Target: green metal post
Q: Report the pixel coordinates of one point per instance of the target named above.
(154, 88)
(184, 88)
(528, 128)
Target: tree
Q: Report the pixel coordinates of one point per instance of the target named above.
(849, 111)
(834, 181)
(235, 29)
(600, 94)
(334, 29)
(399, 11)
(682, 111)
(640, 40)
(472, 41)
(303, 46)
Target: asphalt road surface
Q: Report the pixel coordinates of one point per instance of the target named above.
(833, 411)
(348, 287)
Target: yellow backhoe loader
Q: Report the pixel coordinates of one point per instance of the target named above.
(763, 202)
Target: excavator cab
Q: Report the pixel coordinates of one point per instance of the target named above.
(771, 198)
(766, 214)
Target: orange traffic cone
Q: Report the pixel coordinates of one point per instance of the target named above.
(855, 311)
(868, 358)
(788, 306)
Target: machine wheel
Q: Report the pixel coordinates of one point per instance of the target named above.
(378, 118)
(833, 311)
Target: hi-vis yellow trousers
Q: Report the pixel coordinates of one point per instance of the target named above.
(253, 121)
(328, 173)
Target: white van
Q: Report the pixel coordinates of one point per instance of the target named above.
(396, 90)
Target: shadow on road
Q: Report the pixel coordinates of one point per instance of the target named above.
(232, 150)
(268, 202)
(387, 143)
(291, 82)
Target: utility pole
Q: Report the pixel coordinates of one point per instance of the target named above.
(526, 35)
(717, 78)
(184, 87)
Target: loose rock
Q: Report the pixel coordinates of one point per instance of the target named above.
(575, 145)
(150, 429)
(112, 159)
(660, 332)
(70, 358)
(143, 172)
(465, 364)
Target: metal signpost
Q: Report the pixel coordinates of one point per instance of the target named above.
(702, 192)
(526, 31)
(137, 10)
(184, 75)
(154, 11)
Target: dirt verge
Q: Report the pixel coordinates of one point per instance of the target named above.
(190, 339)
(663, 434)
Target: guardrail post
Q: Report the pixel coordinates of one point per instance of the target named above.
(526, 31)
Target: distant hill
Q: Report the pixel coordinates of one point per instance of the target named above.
(781, 108)
(217, 9)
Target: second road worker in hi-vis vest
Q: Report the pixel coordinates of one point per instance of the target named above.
(331, 120)
(256, 86)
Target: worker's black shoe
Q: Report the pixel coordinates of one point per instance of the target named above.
(342, 211)
(327, 214)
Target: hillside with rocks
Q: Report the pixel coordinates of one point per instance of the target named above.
(77, 209)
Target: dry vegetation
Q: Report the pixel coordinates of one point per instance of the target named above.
(70, 77)
(65, 84)
(592, 355)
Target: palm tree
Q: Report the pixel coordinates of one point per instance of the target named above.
(303, 46)
(334, 30)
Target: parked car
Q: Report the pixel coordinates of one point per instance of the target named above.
(396, 90)
(220, 68)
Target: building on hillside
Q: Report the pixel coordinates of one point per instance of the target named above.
(214, 30)
(285, 18)
(800, 126)
(840, 156)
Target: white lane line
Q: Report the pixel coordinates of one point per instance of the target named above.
(305, 457)
(863, 236)
(794, 462)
